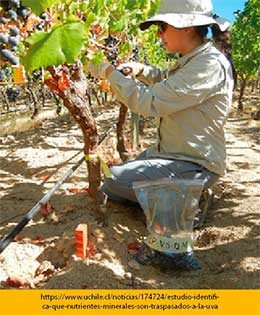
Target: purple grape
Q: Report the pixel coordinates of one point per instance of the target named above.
(40, 26)
(8, 71)
(23, 12)
(3, 20)
(7, 54)
(15, 3)
(44, 16)
(3, 38)
(13, 40)
(2, 75)
(14, 31)
(12, 14)
(12, 94)
(14, 48)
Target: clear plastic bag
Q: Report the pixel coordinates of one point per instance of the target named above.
(170, 206)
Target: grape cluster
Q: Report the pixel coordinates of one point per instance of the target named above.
(12, 93)
(12, 11)
(5, 73)
(136, 53)
(44, 20)
(111, 43)
(36, 76)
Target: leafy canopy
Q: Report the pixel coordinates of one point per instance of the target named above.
(55, 47)
(246, 40)
(79, 28)
(40, 5)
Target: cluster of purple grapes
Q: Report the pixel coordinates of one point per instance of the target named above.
(136, 53)
(111, 43)
(44, 20)
(14, 9)
(5, 73)
(9, 40)
(12, 93)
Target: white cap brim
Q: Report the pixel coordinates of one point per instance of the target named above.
(185, 20)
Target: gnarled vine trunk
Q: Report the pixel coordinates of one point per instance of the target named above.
(121, 147)
(76, 101)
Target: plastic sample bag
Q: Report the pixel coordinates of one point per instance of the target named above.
(170, 206)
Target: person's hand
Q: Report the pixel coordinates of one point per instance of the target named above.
(97, 70)
(131, 68)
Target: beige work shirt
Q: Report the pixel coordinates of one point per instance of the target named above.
(193, 101)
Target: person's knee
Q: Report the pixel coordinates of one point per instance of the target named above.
(117, 190)
(210, 180)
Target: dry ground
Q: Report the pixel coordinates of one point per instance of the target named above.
(42, 256)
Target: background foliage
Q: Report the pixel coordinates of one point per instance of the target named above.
(246, 40)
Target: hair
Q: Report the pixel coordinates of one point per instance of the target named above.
(222, 41)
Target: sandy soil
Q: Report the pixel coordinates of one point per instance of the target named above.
(42, 255)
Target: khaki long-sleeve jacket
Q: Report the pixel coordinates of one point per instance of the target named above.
(192, 100)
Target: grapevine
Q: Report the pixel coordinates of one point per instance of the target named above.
(76, 32)
(246, 44)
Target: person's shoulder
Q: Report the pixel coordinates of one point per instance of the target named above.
(210, 58)
(214, 56)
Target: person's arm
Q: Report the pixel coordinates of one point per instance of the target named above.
(150, 75)
(187, 87)
(109, 70)
(143, 73)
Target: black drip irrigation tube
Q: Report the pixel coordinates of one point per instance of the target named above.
(29, 215)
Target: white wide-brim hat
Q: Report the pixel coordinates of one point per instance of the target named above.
(186, 13)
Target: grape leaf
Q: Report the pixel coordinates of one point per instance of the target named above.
(118, 25)
(62, 44)
(39, 6)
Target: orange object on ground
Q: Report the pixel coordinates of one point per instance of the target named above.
(19, 76)
(81, 240)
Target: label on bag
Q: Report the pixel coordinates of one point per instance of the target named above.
(170, 244)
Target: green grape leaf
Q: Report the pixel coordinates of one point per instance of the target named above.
(62, 44)
(36, 37)
(98, 6)
(125, 48)
(90, 18)
(118, 25)
(39, 6)
(98, 57)
(131, 5)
